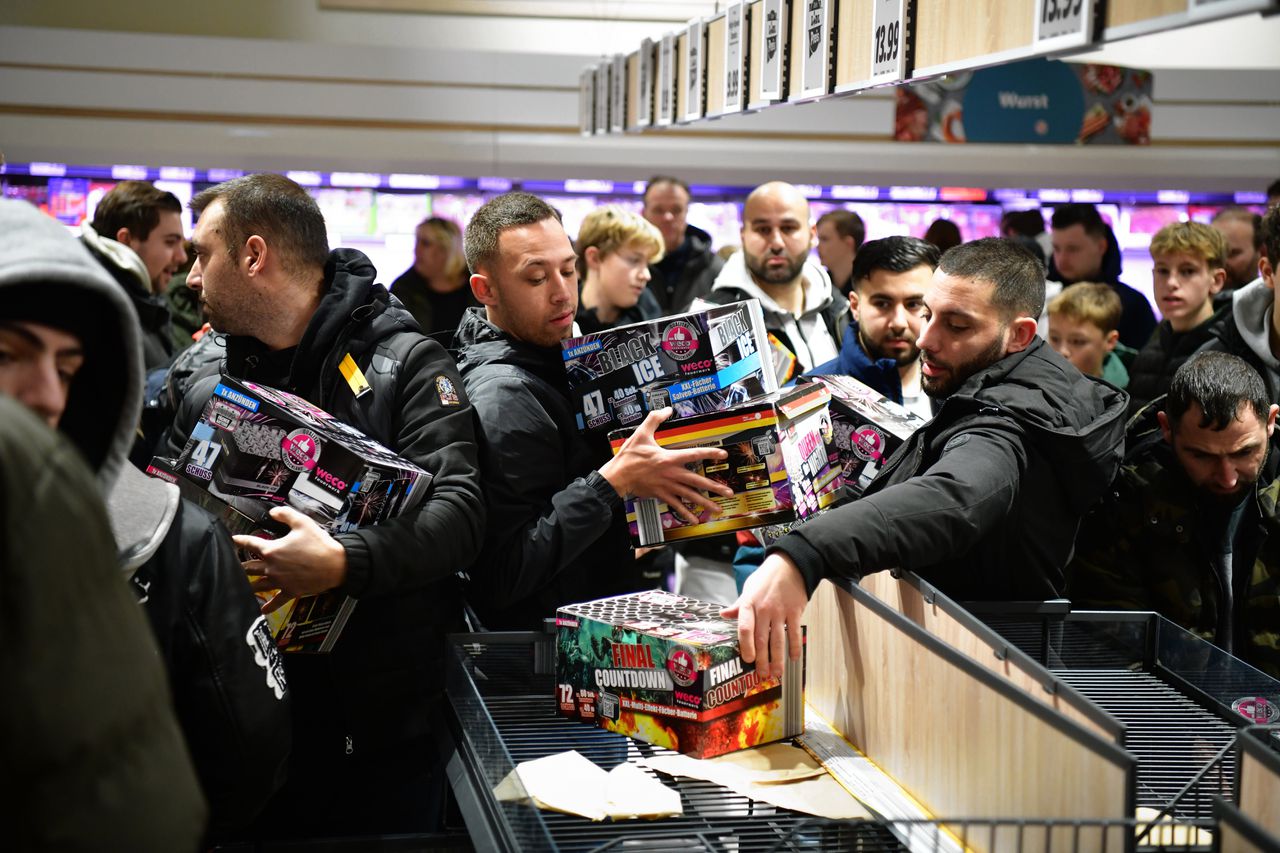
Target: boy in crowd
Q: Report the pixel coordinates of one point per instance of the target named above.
(1082, 328)
(1188, 273)
(616, 249)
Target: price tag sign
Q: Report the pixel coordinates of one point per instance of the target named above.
(773, 46)
(644, 92)
(618, 99)
(587, 101)
(602, 97)
(733, 22)
(817, 48)
(1063, 23)
(666, 74)
(693, 62)
(888, 36)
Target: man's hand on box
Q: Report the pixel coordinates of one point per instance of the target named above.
(305, 561)
(644, 469)
(773, 598)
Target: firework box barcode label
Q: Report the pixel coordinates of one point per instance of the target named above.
(780, 466)
(703, 361)
(868, 428)
(256, 447)
(665, 669)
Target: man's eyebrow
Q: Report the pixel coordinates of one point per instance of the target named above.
(35, 341)
(539, 261)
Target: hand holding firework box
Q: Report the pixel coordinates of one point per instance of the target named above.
(257, 447)
(868, 428)
(666, 669)
(780, 466)
(703, 361)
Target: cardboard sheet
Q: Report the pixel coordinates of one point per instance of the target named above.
(780, 774)
(570, 783)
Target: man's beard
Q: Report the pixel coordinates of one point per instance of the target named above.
(877, 352)
(780, 275)
(941, 387)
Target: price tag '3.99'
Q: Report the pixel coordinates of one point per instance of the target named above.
(1066, 22)
(888, 41)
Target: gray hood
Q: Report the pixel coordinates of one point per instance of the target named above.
(109, 252)
(47, 277)
(1251, 309)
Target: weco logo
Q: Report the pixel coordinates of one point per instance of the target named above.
(680, 341)
(681, 665)
(868, 443)
(300, 450)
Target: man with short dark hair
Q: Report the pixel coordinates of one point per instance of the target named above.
(316, 323)
(136, 234)
(688, 265)
(1085, 249)
(1273, 194)
(840, 234)
(556, 533)
(983, 500)
(890, 279)
(1240, 227)
(1190, 528)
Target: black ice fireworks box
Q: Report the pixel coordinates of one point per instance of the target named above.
(867, 429)
(665, 669)
(703, 361)
(256, 447)
(780, 466)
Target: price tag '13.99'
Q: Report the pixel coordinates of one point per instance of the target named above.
(1056, 19)
(888, 35)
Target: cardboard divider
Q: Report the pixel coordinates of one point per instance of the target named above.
(795, 51)
(964, 740)
(633, 90)
(1258, 780)
(1137, 11)
(948, 32)
(853, 43)
(755, 26)
(681, 61)
(713, 61)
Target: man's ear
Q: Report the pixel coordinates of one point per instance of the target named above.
(853, 301)
(1022, 331)
(482, 289)
(1112, 338)
(254, 255)
(1165, 429)
(1219, 279)
(123, 236)
(1267, 272)
(1271, 419)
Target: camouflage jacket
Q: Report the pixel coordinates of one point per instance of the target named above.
(1145, 546)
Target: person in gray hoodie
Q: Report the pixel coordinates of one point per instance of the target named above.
(1251, 330)
(61, 311)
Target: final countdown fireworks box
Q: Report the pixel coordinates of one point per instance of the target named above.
(780, 466)
(702, 361)
(867, 428)
(666, 669)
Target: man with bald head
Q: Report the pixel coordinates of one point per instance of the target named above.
(801, 308)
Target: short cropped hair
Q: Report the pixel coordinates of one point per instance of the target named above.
(1219, 383)
(1241, 214)
(1269, 231)
(1088, 302)
(276, 209)
(659, 180)
(1084, 215)
(610, 228)
(1017, 274)
(502, 213)
(135, 205)
(1273, 190)
(1028, 223)
(893, 254)
(1193, 238)
(847, 224)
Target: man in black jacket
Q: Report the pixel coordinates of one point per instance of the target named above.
(292, 313)
(985, 499)
(69, 351)
(556, 534)
(688, 266)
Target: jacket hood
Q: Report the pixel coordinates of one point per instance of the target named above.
(1111, 263)
(1077, 420)
(819, 293)
(47, 277)
(483, 344)
(1251, 310)
(117, 256)
(696, 238)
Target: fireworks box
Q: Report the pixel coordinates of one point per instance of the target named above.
(867, 429)
(703, 361)
(257, 447)
(665, 669)
(780, 466)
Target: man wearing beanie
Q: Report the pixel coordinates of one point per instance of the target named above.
(71, 354)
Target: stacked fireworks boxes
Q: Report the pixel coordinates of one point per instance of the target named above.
(665, 669)
(780, 466)
(868, 428)
(255, 448)
(703, 361)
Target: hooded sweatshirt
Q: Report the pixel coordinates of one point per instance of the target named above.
(1245, 331)
(151, 310)
(814, 336)
(226, 674)
(985, 499)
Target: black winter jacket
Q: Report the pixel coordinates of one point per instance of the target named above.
(985, 499)
(383, 674)
(556, 533)
(1154, 365)
(1137, 319)
(207, 623)
(685, 274)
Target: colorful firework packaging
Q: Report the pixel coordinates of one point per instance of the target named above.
(665, 669)
(867, 429)
(257, 447)
(780, 466)
(704, 361)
